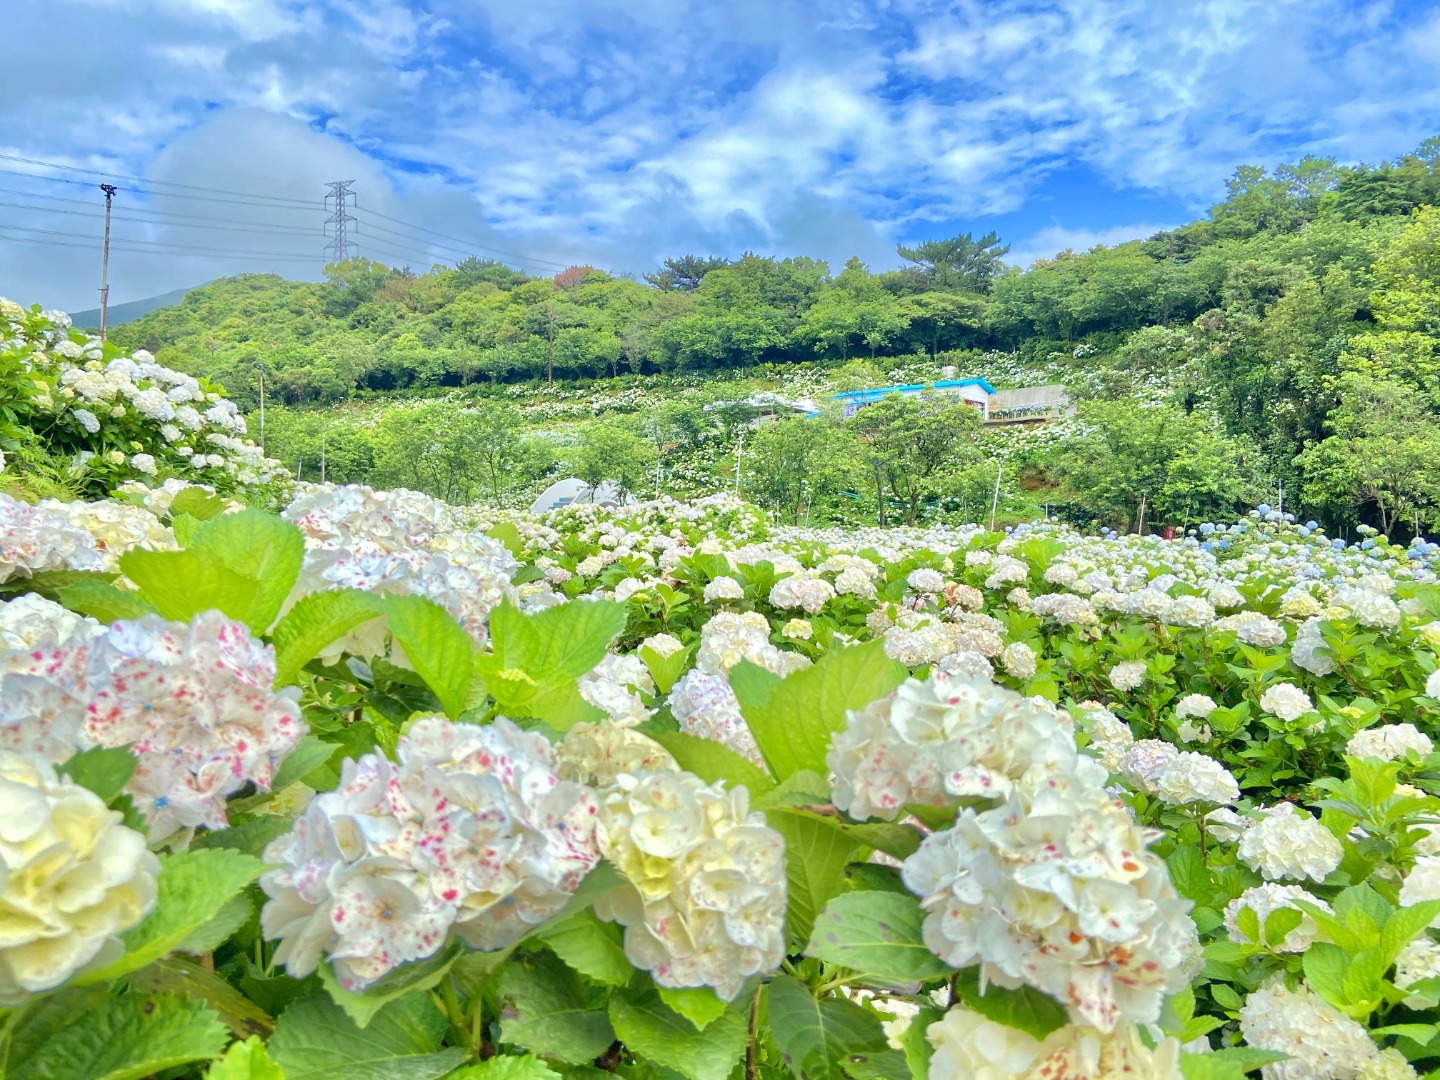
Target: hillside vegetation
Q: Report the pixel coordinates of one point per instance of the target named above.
(1289, 338)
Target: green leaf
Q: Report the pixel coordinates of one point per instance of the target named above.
(317, 620)
(32, 1025)
(558, 643)
(546, 1008)
(246, 1060)
(666, 670)
(201, 505)
(816, 851)
(261, 546)
(1028, 1009)
(103, 770)
(913, 1041)
(507, 1067)
(875, 933)
(184, 527)
(315, 1040)
(309, 754)
(793, 719)
(1188, 872)
(1325, 967)
(591, 947)
(436, 646)
(1404, 925)
(816, 1038)
(509, 535)
(1231, 1063)
(181, 584)
(128, 1037)
(249, 838)
(649, 1027)
(699, 1004)
(103, 601)
(802, 788)
(177, 975)
(193, 888)
(1279, 923)
(894, 838)
(362, 1005)
(712, 761)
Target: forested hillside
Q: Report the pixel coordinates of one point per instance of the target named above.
(1290, 337)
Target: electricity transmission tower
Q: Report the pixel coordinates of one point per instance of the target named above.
(338, 202)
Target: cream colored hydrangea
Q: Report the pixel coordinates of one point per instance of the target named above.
(1267, 898)
(72, 877)
(1388, 742)
(1322, 1042)
(970, 1047)
(705, 899)
(1288, 842)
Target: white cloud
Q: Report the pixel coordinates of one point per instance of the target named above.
(1053, 239)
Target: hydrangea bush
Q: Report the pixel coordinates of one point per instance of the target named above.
(107, 418)
(384, 787)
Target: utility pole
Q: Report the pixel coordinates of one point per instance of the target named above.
(1280, 502)
(995, 503)
(322, 455)
(739, 449)
(261, 370)
(341, 247)
(109, 190)
(550, 317)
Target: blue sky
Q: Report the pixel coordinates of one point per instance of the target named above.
(616, 133)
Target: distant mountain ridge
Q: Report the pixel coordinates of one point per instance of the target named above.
(123, 313)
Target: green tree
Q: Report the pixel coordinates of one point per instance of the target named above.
(912, 444)
(960, 264)
(610, 452)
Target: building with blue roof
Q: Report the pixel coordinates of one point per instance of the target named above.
(976, 392)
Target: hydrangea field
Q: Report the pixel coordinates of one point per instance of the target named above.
(362, 784)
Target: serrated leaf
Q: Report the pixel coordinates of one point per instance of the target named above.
(509, 535)
(315, 1040)
(103, 770)
(184, 527)
(590, 946)
(816, 1038)
(794, 719)
(699, 1004)
(547, 1009)
(201, 505)
(875, 933)
(666, 670)
(508, 1067)
(317, 620)
(309, 754)
(1325, 967)
(649, 1027)
(209, 935)
(128, 1037)
(361, 1006)
(802, 788)
(1027, 1009)
(103, 601)
(246, 1060)
(177, 975)
(557, 644)
(816, 851)
(249, 838)
(436, 646)
(40, 1019)
(261, 545)
(1403, 926)
(1231, 1063)
(712, 761)
(181, 584)
(193, 888)
(1279, 923)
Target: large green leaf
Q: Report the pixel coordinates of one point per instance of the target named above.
(103, 770)
(178, 975)
(103, 601)
(181, 584)
(509, 1067)
(650, 1028)
(315, 621)
(712, 761)
(194, 888)
(816, 1038)
(591, 947)
(246, 1060)
(200, 505)
(437, 647)
(1026, 1008)
(261, 546)
(362, 1005)
(877, 933)
(793, 719)
(309, 754)
(556, 644)
(126, 1038)
(1231, 1063)
(315, 1040)
(816, 851)
(547, 1009)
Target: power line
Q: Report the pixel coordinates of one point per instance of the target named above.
(147, 182)
(468, 244)
(165, 214)
(288, 230)
(307, 207)
(151, 244)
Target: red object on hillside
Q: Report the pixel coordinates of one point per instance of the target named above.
(1169, 532)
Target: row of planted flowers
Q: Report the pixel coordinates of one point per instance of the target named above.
(380, 783)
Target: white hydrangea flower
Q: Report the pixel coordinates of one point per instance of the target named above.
(852, 581)
(597, 754)
(1267, 898)
(1422, 883)
(801, 591)
(72, 877)
(925, 580)
(663, 645)
(1286, 701)
(1145, 761)
(969, 1047)
(615, 685)
(705, 903)
(470, 831)
(1288, 842)
(704, 705)
(1418, 961)
(1066, 609)
(1322, 1042)
(935, 742)
(30, 619)
(1432, 684)
(1198, 706)
(1192, 777)
(1388, 1064)
(798, 630)
(1018, 660)
(722, 589)
(1303, 652)
(1388, 742)
(1127, 675)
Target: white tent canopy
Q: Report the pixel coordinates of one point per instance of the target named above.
(564, 492)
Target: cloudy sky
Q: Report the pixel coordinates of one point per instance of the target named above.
(616, 133)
